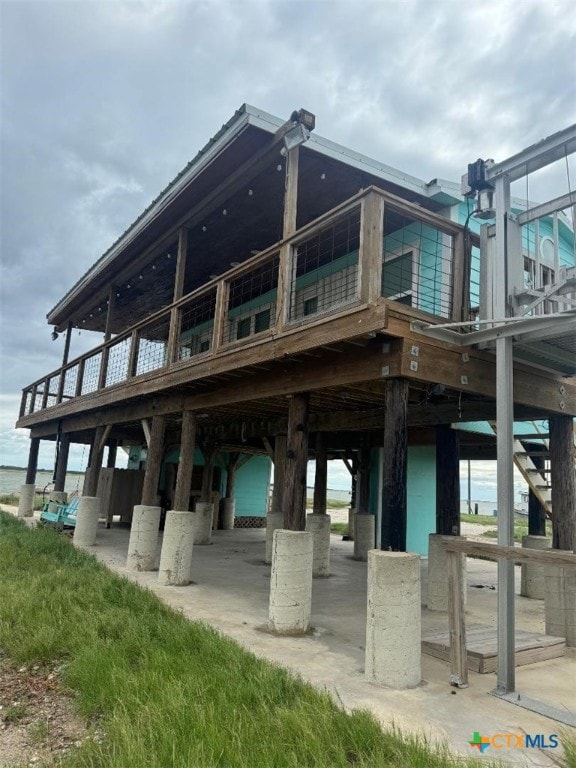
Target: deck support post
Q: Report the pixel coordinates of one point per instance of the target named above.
(447, 518)
(186, 462)
(94, 463)
(28, 489)
(274, 518)
(364, 522)
(112, 453)
(294, 497)
(153, 462)
(291, 582)
(61, 463)
(177, 545)
(560, 600)
(318, 523)
(536, 512)
(394, 470)
(229, 503)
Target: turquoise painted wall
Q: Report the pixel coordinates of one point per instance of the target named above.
(421, 497)
(251, 487)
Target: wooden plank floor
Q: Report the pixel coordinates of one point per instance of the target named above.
(481, 647)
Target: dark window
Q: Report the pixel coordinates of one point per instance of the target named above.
(243, 328)
(311, 306)
(262, 321)
(204, 346)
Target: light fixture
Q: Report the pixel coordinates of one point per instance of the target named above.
(203, 229)
(224, 212)
(279, 167)
(54, 334)
(140, 277)
(168, 255)
(295, 136)
(250, 192)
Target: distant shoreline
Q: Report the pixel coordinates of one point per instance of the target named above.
(8, 467)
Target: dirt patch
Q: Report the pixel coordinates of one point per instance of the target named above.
(38, 722)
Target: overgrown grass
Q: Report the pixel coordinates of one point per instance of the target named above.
(12, 499)
(340, 528)
(330, 504)
(170, 693)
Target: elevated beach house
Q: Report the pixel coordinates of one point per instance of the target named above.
(268, 306)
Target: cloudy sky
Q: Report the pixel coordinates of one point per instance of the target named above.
(104, 102)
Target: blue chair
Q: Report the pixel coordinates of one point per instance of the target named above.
(60, 515)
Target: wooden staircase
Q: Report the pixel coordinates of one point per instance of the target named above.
(524, 452)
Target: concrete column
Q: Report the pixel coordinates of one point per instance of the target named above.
(291, 582)
(203, 512)
(143, 538)
(365, 535)
(60, 497)
(176, 554)
(319, 527)
(273, 522)
(533, 577)
(87, 521)
(560, 603)
(351, 522)
(393, 622)
(438, 573)
(26, 500)
(228, 514)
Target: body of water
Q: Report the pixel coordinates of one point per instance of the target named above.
(12, 479)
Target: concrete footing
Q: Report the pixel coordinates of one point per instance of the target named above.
(176, 555)
(60, 497)
(560, 603)
(87, 521)
(393, 624)
(351, 518)
(319, 527)
(291, 582)
(364, 535)
(203, 514)
(438, 572)
(26, 500)
(143, 538)
(273, 522)
(533, 577)
(228, 514)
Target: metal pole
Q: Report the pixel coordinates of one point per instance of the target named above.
(469, 489)
(505, 447)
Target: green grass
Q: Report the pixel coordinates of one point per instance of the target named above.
(340, 528)
(330, 504)
(167, 692)
(481, 519)
(11, 499)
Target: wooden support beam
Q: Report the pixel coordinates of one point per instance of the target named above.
(447, 481)
(186, 462)
(180, 264)
(110, 313)
(220, 314)
(268, 446)
(457, 621)
(394, 470)
(94, 463)
(363, 478)
(291, 193)
(515, 554)
(279, 474)
(67, 340)
(370, 251)
(32, 467)
(154, 461)
(321, 475)
(563, 481)
(112, 453)
(294, 499)
(146, 429)
(209, 452)
(536, 512)
(231, 468)
(105, 436)
(61, 462)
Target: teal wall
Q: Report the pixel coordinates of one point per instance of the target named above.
(251, 487)
(421, 497)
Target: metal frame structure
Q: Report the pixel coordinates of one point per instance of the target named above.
(503, 281)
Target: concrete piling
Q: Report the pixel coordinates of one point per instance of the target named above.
(203, 514)
(291, 582)
(87, 521)
(143, 541)
(533, 577)
(364, 535)
(228, 514)
(560, 603)
(319, 527)
(26, 500)
(273, 522)
(176, 554)
(393, 622)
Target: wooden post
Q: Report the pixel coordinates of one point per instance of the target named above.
(181, 264)
(460, 308)
(154, 462)
(103, 367)
(370, 252)
(80, 377)
(291, 193)
(32, 461)
(456, 615)
(536, 512)
(110, 313)
(209, 452)
(186, 463)
(280, 449)
(67, 340)
(363, 479)
(294, 500)
(321, 475)
(94, 463)
(61, 463)
(220, 313)
(284, 290)
(112, 452)
(231, 474)
(133, 357)
(563, 482)
(447, 481)
(394, 470)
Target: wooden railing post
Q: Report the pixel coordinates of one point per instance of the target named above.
(460, 281)
(371, 244)
(173, 334)
(33, 399)
(60, 393)
(79, 382)
(103, 367)
(284, 287)
(456, 615)
(220, 314)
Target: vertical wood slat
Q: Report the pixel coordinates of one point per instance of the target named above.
(33, 399)
(394, 470)
(284, 287)
(220, 313)
(173, 335)
(457, 621)
(45, 392)
(79, 380)
(133, 356)
(186, 462)
(371, 245)
(154, 461)
(294, 497)
(279, 474)
(291, 193)
(103, 367)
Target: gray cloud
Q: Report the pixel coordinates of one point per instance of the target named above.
(104, 102)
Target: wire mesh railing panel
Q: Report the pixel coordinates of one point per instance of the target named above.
(252, 302)
(196, 324)
(118, 358)
(38, 398)
(325, 268)
(70, 382)
(27, 402)
(53, 384)
(474, 283)
(153, 346)
(91, 374)
(417, 265)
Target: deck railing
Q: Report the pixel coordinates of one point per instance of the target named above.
(373, 246)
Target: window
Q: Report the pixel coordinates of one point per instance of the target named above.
(204, 346)
(310, 306)
(243, 328)
(262, 321)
